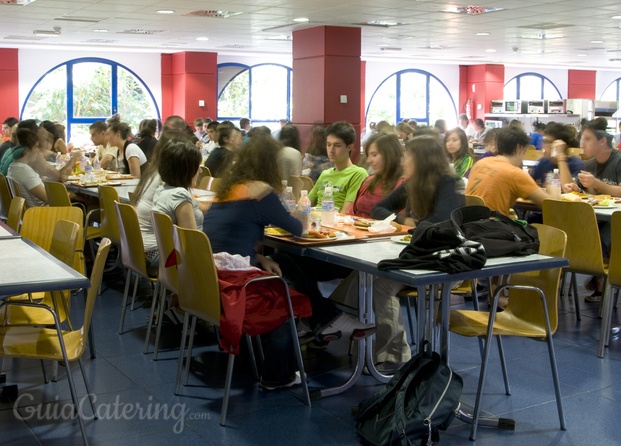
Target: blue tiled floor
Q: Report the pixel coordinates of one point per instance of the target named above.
(121, 376)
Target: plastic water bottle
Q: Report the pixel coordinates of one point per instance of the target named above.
(59, 160)
(88, 170)
(327, 207)
(553, 184)
(282, 194)
(304, 210)
(96, 163)
(289, 200)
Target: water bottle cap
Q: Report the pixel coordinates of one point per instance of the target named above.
(289, 189)
(303, 193)
(327, 190)
(284, 183)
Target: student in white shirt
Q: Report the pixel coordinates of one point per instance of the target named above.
(131, 158)
(464, 123)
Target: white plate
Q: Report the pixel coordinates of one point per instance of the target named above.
(286, 234)
(603, 207)
(397, 239)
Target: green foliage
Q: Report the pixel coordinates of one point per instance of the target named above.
(49, 99)
(92, 90)
(235, 99)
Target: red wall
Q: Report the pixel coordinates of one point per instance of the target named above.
(9, 84)
(187, 78)
(488, 82)
(326, 65)
(581, 84)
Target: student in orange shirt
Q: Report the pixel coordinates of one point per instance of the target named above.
(500, 180)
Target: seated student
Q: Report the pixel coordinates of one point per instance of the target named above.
(480, 130)
(602, 175)
(431, 193)
(556, 141)
(405, 131)
(289, 157)
(456, 146)
(146, 137)
(27, 179)
(131, 158)
(107, 154)
(144, 194)
(179, 166)
(500, 180)
(490, 143)
(245, 203)
(316, 160)
(384, 153)
(345, 177)
(211, 130)
(229, 141)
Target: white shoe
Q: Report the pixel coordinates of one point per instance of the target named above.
(345, 325)
(296, 380)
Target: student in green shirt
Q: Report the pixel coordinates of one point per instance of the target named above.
(456, 146)
(344, 177)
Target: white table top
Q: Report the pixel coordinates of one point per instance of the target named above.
(365, 256)
(27, 268)
(6, 232)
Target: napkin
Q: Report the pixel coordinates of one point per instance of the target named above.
(232, 262)
(383, 225)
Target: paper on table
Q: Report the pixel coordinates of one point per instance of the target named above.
(383, 225)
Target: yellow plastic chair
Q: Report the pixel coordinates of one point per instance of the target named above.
(16, 210)
(132, 255)
(108, 195)
(575, 151)
(584, 249)
(296, 183)
(14, 187)
(531, 147)
(54, 343)
(474, 200)
(163, 229)
(199, 297)
(614, 282)
(532, 312)
(205, 172)
(533, 155)
(5, 197)
(307, 183)
(64, 241)
(57, 194)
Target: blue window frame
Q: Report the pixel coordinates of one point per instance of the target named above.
(135, 101)
(414, 94)
(611, 93)
(531, 86)
(262, 96)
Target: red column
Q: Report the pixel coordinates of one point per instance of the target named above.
(9, 84)
(363, 86)
(326, 66)
(581, 84)
(481, 84)
(188, 78)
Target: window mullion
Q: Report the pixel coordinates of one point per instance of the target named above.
(69, 99)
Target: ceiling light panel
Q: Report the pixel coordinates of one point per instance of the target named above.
(212, 13)
(472, 10)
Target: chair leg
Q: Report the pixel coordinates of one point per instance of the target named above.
(616, 299)
(186, 319)
(410, 321)
(88, 388)
(227, 390)
(503, 364)
(562, 290)
(147, 337)
(606, 319)
(475, 304)
(91, 330)
(45, 380)
(190, 345)
(55, 371)
(124, 304)
(253, 361)
(136, 281)
(574, 283)
(160, 319)
(260, 348)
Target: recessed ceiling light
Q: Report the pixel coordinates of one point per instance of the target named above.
(165, 11)
(581, 55)
(100, 30)
(474, 10)
(597, 41)
(482, 34)
(301, 19)
(616, 17)
(202, 38)
(543, 36)
(490, 51)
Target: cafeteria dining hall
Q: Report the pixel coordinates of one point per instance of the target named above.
(279, 222)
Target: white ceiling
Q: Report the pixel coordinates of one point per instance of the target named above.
(424, 25)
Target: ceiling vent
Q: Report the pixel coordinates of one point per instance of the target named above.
(216, 14)
(141, 31)
(25, 37)
(545, 25)
(472, 10)
(435, 47)
(283, 38)
(68, 18)
(238, 47)
(543, 36)
(387, 48)
(380, 23)
(99, 41)
(16, 2)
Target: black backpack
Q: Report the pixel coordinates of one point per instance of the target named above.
(421, 398)
(499, 235)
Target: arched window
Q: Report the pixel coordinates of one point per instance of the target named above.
(531, 86)
(611, 93)
(81, 91)
(260, 92)
(413, 94)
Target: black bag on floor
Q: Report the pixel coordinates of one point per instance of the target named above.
(421, 398)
